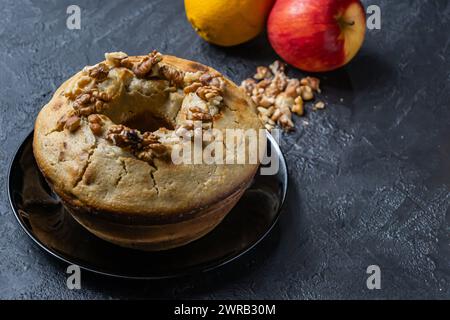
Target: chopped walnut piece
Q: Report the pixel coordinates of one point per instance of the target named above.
(95, 118)
(98, 105)
(208, 92)
(131, 136)
(266, 101)
(174, 76)
(262, 73)
(260, 86)
(248, 85)
(82, 100)
(151, 151)
(115, 58)
(127, 63)
(77, 87)
(81, 103)
(73, 123)
(277, 67)
(205, 78)
(277, 85)
(95, 124)
(286, 122)
(190, 77)
(90, 102)
(213, 80)
(217, 82)
(95, 128)
(145, 66)
(146, 156)
(62, 121)
(149, 138)
(85, 111)
(312, 82)
(298, 107)
(116, 129)
(276, 115)
(200, 116)
(144, 146)
(170, 89)
(306, 93)
(192, 87)
(99, 72)
(291, 88)
(100, 95)
(195, 109)
(319, 105)
(123, 136)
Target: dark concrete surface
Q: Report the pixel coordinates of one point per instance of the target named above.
(370, 175)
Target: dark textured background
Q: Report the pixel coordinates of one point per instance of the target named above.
(370, 175)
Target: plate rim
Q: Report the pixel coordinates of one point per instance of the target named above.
(190, 271)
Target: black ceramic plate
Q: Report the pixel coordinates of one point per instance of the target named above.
(40, 213)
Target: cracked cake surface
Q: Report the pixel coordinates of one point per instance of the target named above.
(103, 142)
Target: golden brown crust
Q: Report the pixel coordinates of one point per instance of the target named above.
(89, 172)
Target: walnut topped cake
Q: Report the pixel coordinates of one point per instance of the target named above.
(105, 144)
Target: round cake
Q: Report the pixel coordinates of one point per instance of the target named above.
(106, 143)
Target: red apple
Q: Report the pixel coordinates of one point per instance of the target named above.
(317, 35)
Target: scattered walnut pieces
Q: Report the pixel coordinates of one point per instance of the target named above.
(277, 96)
